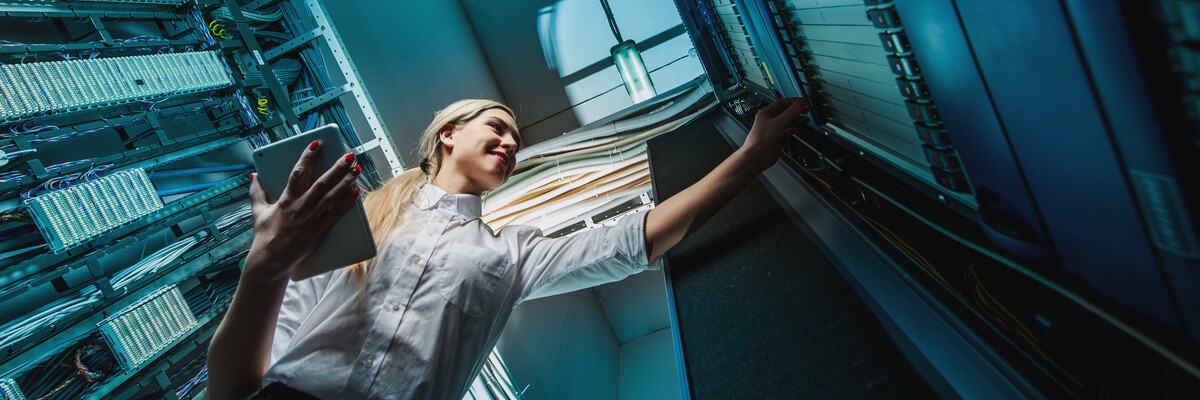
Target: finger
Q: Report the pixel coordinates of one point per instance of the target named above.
(775, 107)
(795, 111)
(298, 179)
(258, 197)
(340, 190)
(326, 182)
(343, 204)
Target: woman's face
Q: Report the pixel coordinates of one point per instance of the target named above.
(484, 149)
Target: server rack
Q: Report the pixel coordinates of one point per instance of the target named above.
(1028, 168)
(126, 129)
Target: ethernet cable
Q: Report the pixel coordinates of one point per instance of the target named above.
(191, 383)
(223, 13)
(51, 314)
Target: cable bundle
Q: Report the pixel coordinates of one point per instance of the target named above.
(54, 312)
(74, 370)
(223, 13)
(318, 80)
(191, 383)
(591, 170)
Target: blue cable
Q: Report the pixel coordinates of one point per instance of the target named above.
(200, 170)
(186, 189)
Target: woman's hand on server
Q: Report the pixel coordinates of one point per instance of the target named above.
(773, 125)
(679, 216)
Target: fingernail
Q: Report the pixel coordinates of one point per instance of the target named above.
(251, 176)
(355, 192)
(356, 169)
(314, 145)
(349, 158)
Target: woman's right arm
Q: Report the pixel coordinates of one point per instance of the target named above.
(284, 234)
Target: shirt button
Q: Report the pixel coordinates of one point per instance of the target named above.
(369, 361)
(414, 259)
(395, 305)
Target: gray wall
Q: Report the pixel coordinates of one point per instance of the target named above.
(611, 342)
(508, 32)
(648, 368)
(562, 347)
(415, 57)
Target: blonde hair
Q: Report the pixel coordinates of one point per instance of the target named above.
(387, 206)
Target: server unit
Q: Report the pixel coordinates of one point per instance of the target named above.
(1022, 175)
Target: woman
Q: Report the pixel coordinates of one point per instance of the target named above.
(419, 319)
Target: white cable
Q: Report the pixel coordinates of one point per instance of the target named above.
(675, 106)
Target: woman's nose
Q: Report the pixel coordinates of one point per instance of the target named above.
(508, 143)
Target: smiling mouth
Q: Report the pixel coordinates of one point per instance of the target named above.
(503, 159)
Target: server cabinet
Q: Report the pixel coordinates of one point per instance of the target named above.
(1028, 166)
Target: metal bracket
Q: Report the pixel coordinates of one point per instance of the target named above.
(378, 130)
(365, 147)
(292, 45)
(152, 120)
(322, 99)
(254, 5)
(104, 35)
(278, 94)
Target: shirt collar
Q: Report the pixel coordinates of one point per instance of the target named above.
(430, 197)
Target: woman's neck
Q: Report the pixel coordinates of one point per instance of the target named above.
(455, 183)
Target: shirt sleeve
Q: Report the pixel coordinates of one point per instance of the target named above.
(551, 266)
(298, 301)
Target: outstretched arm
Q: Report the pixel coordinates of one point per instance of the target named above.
(683, 213)
(284, 234)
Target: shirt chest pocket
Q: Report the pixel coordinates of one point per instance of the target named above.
(472, 277)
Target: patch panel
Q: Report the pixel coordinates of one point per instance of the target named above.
(166, 2)
(71, 216)
(171, 2)
(37, 89)
(141, 330)
(11, 391)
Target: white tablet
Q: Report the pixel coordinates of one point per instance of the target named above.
(349, 239)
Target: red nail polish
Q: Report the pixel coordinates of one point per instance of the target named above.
(355, 192)
(314, 145)
(356, 169)
(251, 176)
(349, 158)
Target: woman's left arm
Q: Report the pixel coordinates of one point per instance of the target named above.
(681, 214)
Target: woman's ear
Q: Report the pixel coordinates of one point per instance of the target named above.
(446, 135)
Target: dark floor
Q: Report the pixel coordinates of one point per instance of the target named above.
(763, 314)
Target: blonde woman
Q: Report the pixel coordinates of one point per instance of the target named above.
(419, 319)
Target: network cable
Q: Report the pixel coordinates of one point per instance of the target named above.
(56, 311)
(334, 111)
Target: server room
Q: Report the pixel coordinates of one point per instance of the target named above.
(647, 199)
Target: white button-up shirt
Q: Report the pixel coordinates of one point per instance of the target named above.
(436, 302)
